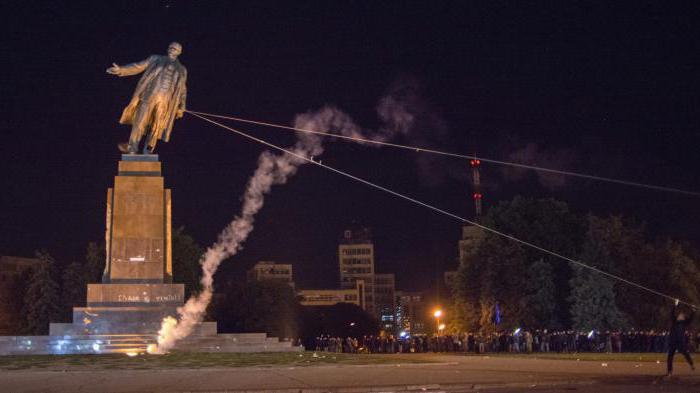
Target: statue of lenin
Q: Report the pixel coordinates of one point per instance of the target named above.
(158, 100)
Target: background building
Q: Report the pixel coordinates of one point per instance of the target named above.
(329, 297)
(472, 237)
(271, 271)
(412, 312)
(385, 300)
(356, 262)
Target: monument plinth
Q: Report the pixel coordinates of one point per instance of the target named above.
(138, 223)
(136, 292)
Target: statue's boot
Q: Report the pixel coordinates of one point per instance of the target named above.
(127, 148)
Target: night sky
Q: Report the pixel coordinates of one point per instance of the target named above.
(605, 89)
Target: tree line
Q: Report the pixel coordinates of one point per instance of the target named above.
(538, 291)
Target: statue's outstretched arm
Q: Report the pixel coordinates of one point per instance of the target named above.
(130, 69)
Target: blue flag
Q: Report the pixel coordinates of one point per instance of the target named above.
(497, 315)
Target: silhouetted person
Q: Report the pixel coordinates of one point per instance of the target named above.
(676, 339)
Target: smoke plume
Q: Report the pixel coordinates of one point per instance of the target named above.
(274, 169)
(533, 154)
(407, 114)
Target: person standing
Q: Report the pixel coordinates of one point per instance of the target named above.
(679, 325)
(528, 341)
(546, 338)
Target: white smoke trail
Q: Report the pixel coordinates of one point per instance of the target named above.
(272, 169)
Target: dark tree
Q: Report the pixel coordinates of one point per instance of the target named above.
(683, 271)
(94, 262)
(41, 304)
(531, 287)
(593, 303)
(466, 291)
(503, 280)
(465, 306)
(76, 276)
(619, 246)
(340, 320)
(186, 256)
(17, 286)
(549, 224)
(542, 296)
(73, 289)
(679, 276)
(265, 306)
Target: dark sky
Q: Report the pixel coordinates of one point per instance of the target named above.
(607, 89)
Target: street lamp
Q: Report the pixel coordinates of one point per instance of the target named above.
(438, 314)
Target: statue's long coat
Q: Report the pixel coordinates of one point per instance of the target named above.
(151, 68)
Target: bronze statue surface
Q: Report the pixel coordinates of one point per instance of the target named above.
(158, 100)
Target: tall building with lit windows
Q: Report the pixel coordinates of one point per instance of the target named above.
(385, 300)
(356, 259)
(412, 313)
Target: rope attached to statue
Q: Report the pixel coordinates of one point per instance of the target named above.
(441, 211)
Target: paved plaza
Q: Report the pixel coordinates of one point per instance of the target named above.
(448, 374)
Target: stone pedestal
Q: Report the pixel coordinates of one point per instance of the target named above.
(136, 291)
(138, 231)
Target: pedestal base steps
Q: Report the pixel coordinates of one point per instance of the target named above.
(138, 343)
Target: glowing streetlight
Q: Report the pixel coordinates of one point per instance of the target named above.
(438, 314)
(441, 327)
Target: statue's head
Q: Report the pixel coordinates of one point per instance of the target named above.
(174, 49)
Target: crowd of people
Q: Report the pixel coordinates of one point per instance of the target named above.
(519, 341)
(676, 339)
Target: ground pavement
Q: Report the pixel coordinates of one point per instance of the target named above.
(450, 373)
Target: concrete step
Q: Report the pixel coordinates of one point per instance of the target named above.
(124, 343)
